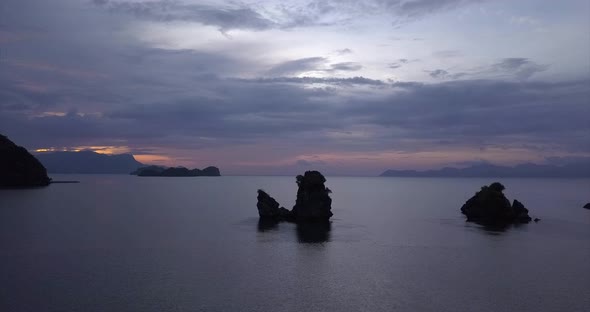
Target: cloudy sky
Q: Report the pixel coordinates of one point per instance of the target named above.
(277, 87)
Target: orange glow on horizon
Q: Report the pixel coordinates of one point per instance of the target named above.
(107, 150)
(153, 159)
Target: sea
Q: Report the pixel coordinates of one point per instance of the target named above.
(127, 243)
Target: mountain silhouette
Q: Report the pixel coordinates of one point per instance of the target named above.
(527, 170)
(88, 162)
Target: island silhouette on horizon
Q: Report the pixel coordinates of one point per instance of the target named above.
(159, 171)
(579, 169)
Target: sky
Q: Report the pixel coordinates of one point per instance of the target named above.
(276, 87)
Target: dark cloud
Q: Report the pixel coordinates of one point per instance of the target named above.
(236, 16)
(401, 62)
(418, 8)
(439, 74)
(521, 68)
(297, 66)
(488, 112)
(344, 51)
(235, 111)
(346, 66)
(515, 67)
(317, 80)
(318, 64)
(444, 74)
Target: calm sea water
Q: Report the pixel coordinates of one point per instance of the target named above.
(125, 243)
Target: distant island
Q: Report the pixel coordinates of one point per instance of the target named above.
(18, 168)
(88, 162)
(158, 171)
(529, 170)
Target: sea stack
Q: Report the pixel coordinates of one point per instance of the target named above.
(313, 198)
(268, 208)
(490, 206)
(18, 168)
(313, 202)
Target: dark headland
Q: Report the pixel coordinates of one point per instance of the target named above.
(18, 168)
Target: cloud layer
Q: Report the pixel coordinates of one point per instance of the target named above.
(91, 74)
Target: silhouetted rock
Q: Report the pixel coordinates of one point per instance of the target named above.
(490, 206)
(210, 172)
(151, 170)
(18, 168)
(313, 199)
(155, 171)
(587, 206)
(269, 208)
(521, 214)
(176, 172)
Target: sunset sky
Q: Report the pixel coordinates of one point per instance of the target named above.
(273, 87)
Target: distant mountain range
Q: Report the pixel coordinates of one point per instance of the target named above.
(574, 170)
(88, 162)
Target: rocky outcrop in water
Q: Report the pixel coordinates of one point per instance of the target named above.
(490, 206)
(313, 202)
(18, 168)
(269, 208)
(587, 206)
(313, 199)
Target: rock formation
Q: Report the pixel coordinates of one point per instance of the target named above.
(587, 206)
(268, 208)
(313, 201)
(490, 206)
(18, 168)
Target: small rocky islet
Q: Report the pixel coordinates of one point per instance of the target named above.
(313, 202)
(490, 206)
(158, 171)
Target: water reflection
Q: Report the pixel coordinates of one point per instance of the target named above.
(493, 229)
(316, 232)
(265, 225)
(307, 233)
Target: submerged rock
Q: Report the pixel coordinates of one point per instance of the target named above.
(18, 168)
(313, 201)
(490, 206)
(587, 206)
